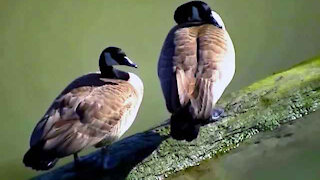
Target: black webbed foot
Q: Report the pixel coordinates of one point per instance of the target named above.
(216, 115)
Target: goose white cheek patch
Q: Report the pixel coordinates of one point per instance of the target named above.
(217, 17)
(129, 60)
(109, 60)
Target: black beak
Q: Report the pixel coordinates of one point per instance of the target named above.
(130, 63)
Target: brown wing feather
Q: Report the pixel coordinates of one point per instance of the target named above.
(87, 115)
(203, 79)
(185, 62)
(215, 69)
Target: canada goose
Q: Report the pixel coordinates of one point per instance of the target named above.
(196, 64)
(95, 109)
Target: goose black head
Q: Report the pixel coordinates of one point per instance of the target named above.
(197, 11)
(114, 56)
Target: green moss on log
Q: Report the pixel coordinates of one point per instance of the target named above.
(262, 106)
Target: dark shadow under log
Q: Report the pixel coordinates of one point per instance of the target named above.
(114, 163)
(262, 106)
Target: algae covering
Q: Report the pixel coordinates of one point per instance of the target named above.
(262, 106)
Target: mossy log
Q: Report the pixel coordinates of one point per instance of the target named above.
(262, 106)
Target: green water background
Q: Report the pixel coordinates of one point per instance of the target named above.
(46, 44)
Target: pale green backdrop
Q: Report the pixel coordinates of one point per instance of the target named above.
(46, 44)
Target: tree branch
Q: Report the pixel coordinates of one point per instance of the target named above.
(262, 106)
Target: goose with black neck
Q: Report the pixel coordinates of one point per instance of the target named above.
(93, 110)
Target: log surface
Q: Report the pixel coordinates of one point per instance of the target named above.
(262, 106)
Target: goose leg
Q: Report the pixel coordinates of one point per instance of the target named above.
(104, 157)
(76, 160)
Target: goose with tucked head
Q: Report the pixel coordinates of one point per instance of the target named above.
(196, 64)
(93, 110)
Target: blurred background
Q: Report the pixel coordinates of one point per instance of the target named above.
(47, 44)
